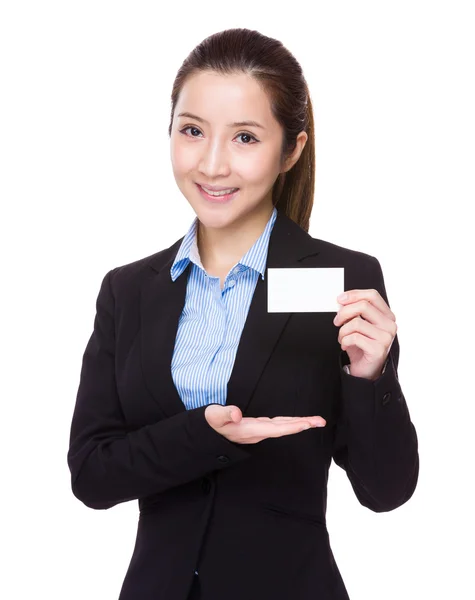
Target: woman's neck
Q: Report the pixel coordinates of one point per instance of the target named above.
(222, 248)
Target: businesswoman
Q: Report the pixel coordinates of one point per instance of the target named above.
(220, 418)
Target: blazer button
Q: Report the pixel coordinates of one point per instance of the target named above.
(386, 398)
(223, 458)
(205, 485)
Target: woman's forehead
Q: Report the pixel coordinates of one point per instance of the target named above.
(225, 99)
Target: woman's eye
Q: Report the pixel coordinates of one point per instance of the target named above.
(248, 135)
(190, 127)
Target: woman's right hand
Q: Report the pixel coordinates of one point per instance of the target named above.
(229, 422)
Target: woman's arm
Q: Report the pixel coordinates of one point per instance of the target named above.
(376, 442)
(110, 464)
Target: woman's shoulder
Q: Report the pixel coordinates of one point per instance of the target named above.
(336, 252)
(131, 274)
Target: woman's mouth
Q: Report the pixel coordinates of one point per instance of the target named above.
(218, 197)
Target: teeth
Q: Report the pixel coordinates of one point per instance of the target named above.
(221, 193)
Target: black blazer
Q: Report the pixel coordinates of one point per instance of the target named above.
(249, 517)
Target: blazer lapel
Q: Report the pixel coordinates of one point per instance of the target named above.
(162, 302)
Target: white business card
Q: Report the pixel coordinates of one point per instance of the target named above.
(304, 289)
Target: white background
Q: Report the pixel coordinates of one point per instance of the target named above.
(86, 185)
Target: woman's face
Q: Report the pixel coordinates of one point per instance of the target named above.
(209, 148)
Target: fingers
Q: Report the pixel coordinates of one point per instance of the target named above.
(266, 427)
(286, 418)
(291, 418)
(276, 418)
(252, 430)
(286, 428)
(316, 420)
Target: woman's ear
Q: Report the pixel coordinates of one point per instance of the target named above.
(299, 146)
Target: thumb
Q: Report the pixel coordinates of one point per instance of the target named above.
(218, 415)
(233, 414)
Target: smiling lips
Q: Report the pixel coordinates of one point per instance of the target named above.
(218, 190)
(223, 195)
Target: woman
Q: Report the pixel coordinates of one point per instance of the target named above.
(193, 399)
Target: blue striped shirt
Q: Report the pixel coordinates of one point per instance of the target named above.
(212, 320)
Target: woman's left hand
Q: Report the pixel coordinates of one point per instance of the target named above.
(369, 328)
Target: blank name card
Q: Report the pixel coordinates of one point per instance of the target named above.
(304, 289)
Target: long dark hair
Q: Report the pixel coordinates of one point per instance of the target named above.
(235, 51)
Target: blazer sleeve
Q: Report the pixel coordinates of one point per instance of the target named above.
(109, 463)
(376, 442)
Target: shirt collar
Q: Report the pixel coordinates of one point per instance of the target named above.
(255, 257)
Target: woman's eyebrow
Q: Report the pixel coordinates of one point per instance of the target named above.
(236, 124)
